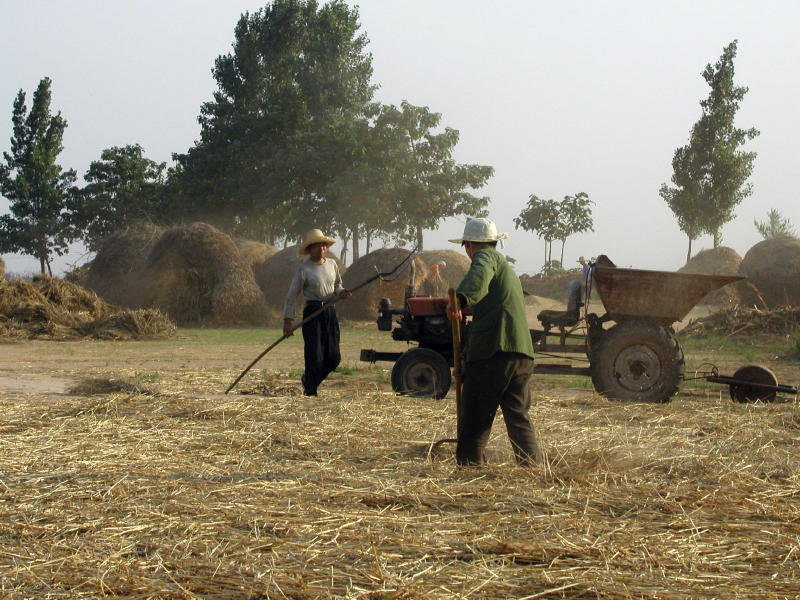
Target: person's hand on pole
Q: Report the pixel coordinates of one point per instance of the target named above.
(288, 328)
(454, 312)
(344, 294)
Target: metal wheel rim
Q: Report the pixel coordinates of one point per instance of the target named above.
(419, 378)
(637, 368)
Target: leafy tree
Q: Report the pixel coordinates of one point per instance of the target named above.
(552, 220)
(776, 226)
(122, 187)
(35, 184)
(710, 173)
(426, 182)
(575, 216)
(279, 127)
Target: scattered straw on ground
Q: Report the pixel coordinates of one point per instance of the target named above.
(50, 308)
(743, 321)
(182, 496)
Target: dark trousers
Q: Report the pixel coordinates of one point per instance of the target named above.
(501, 380)
(321, 340)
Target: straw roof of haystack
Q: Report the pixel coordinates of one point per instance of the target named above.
(115, 272)
(773, 266)
(275, 274)
(50, 308)
(254, 253)
(457, 265)
(716, 261)
(364, 303)
(196, 275)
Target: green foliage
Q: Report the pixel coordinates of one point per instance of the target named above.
(282, 123)
(122, 187)
(776, 226)
(34, 183)
(552, 267)
(552, 220)
(711, 171)
(427, 184)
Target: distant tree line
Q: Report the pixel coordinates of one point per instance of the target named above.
(292, 138)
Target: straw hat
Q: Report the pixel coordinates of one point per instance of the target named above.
(480, 230)
(315, 236)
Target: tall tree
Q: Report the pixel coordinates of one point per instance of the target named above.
(35, 184)
(428, 185)
(278, 129)
(122, 187)
(710, 173)
(776, 226)
(574, 216)
(542, 218)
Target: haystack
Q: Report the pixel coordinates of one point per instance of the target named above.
(116, 270)
(254, 253)
(716, 261)
(2, 268)
(196, 275)
(773, 266)
(50, 308)
(275, 274)
(364, 304)
(457, 263)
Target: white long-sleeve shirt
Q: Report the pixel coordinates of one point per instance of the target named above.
(318, 282)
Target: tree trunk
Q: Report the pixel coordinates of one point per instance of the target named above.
(345, 241)
(356, 255)
(717, 238)
(49, 270)
(41, 264)
(562, 252)
(419, 237)
(689, 254)
(368, 236)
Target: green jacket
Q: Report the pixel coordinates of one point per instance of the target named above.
(493, 291)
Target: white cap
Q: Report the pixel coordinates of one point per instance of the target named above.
(439, 263)
(480, 230)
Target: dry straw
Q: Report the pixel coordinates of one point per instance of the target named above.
(716, 261)
(190, 495)
(456, 266)
(49, 308)
(254, 253)
(742, 321)
(195, 274)
(364, 303)
(115, 272)
(773, 266)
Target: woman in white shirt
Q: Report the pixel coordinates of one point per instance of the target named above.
(320, 282)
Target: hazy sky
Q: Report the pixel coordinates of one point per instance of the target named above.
(559, 97)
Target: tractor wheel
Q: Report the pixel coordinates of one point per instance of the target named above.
(741, 392)
(638, 361)
(421, 372)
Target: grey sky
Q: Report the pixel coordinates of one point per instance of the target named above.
(558, 97)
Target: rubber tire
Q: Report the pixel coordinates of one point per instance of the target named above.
(631, 350)
(420, 373)
(743, 393)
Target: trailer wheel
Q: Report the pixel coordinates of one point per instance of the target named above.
(741, 392)
(638, 361)
(421, 372)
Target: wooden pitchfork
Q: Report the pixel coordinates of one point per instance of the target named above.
(458, 370)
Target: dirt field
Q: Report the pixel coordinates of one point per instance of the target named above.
(125, 472)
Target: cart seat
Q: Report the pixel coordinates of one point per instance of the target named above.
(564, 318)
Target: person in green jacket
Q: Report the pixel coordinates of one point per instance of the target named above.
(499, 351)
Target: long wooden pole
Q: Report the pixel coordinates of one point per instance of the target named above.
(458, 371)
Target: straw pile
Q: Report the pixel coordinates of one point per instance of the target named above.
(742, 321)
(254, 253)
(196, 275)
(2, 268)
(185, 496)
(716, 261)
(115, 273)
(79, 275)
(773, 266)
(457, 266)
(53, 309)
(275, 274)
(555, 287)
(364, 303)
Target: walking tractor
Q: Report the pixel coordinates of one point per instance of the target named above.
(629, 350)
